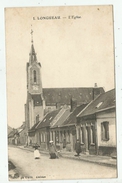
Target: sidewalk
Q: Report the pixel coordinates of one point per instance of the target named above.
(102, 160)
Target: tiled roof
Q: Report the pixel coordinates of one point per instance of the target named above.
(61, 118)
(72, 117)
(12, 133)
(33, 127)
(63, 95)
(9, 129)
(102, 102)
(47, 119)
(37, 100)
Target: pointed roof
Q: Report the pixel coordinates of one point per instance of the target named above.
(48, 119)
(61, 117)
(71, 120)
(12, 133)
(33, 127)
(32, 54)
(103, 102)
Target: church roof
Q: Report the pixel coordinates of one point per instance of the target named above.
(83, 95)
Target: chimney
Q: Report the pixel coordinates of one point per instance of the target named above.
(73, 103)
(37, 118)
(96, 91)
(58, 105)
(95, 85)
(24, 123)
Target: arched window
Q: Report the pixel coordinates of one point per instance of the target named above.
(34, 76)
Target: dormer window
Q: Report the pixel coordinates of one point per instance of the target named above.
(44, 120)
(98, 105)
(50, 118)
(34, 76)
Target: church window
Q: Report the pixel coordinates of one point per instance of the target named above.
(34, 76)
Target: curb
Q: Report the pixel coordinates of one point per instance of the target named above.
(81, 159)
(90, 161)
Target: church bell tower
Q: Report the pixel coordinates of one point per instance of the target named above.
(35, 103)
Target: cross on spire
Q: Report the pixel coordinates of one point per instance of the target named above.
(31, 35)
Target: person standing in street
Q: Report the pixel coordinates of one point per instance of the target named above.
(78, 147)
(36, 153)
(52, 151)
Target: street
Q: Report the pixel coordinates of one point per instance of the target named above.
(45, 168)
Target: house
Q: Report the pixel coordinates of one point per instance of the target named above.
(41, 130)
(9, 129)
(56, 134)
(31, 134)
(96, 125)
(59, 126)
(13, 137)
(22, 134)
(68, 127)
(18, 136)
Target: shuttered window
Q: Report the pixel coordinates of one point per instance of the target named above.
(105, 130)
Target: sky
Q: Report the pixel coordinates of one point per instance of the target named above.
(73, 52)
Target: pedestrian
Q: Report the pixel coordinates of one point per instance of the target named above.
(64, 143)
(78, 147)
(52, 151)
(36, 153)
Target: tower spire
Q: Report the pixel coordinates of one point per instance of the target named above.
(32, 54)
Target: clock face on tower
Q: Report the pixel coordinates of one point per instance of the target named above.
(35, 87)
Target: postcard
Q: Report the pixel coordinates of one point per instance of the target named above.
(61, 93)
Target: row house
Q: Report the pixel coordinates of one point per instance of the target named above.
(93, 124)
(96, 125)
(18, 136)
(58, 126)
(40, 132)
(12, 137)
(57, 135)
(68, 128)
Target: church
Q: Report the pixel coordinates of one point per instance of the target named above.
(41, 101)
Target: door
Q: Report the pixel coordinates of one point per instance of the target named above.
(87, 138)
(74, 139)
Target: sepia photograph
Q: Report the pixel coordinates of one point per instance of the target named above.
(61, 95)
